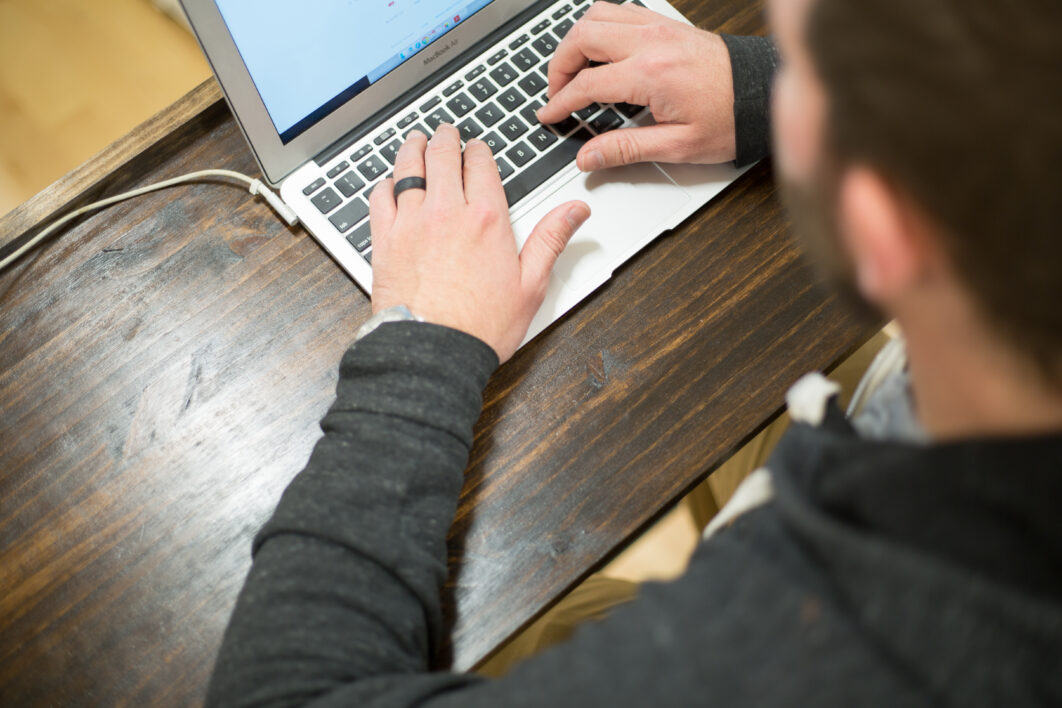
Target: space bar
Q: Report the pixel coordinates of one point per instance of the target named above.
(545, 167)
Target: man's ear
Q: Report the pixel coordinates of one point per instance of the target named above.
(880, 235)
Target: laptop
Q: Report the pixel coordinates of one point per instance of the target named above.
(326, 91)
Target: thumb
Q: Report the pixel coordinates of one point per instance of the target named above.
(546, 243)
(628, 146)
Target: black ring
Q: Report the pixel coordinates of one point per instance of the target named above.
(409, 183)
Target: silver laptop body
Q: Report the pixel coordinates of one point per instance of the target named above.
(326, 91)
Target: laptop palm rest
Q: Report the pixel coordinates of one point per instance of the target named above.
(629, 207)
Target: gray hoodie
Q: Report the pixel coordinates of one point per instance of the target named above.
(877, 573)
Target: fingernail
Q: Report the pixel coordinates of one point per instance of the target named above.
(576, 216)
(593, 161)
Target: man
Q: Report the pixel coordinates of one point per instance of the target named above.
(912, 556)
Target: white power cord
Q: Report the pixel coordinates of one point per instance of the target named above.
(255, 186)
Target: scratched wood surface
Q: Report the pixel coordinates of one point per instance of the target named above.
(164, 364)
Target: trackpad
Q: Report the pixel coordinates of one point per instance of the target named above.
(628, 208)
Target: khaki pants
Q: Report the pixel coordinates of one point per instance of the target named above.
(598, 595)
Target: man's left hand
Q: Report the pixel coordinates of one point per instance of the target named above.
(448, 252)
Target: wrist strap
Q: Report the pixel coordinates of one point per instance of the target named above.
(399, 313)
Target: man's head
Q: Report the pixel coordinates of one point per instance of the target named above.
(921, 146)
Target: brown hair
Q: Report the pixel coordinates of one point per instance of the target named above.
(958, 103)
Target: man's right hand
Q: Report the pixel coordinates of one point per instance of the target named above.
(682, 73)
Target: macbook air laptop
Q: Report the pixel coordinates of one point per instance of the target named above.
(326, 91)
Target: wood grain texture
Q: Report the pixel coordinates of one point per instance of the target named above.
(164, 365)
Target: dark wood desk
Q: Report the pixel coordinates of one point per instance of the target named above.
(164, 364)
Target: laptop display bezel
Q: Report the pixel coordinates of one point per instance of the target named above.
(277, 159)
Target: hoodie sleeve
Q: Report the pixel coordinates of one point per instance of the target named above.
(753, 61)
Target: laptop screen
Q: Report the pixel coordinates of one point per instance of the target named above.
(308, 59)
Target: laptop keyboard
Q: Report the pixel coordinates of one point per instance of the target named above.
(494, 99)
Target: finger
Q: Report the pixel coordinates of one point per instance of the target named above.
(590, 41)
(409, 162)
(382, 210)
(546, 243)
(652, 143)
(482, 182)
(609, 83)
(442, 162)
(629, 12)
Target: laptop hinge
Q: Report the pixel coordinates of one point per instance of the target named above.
(459, 63)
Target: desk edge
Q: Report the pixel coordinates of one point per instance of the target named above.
(75, 186)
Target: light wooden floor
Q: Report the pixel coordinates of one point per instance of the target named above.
(77, 74)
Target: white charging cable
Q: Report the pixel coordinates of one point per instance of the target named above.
(255, 186)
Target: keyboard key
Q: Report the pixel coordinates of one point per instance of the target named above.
(525, 59)
(497, 57)
(313, 186)
(580, 12)
(361, 152)
(545, 167)
(504, 74)
(407, 120)
(494, 142)
(345, 219)
(562, 28)
(511, 100)
(327, 200)
(532, 84)
(390, 151)
(566, 126)
(609, 120)
(512, 128)
(453, 88)
(367, 257)
(522, 39)
(629, 109)
(460, 104)
(361, 239)
(338, 169)
(418, 126)
(562, 12)
(544, 69)
(545, 45)
(349, 184)
(482, 90)
(475, 72)
(489, 114)
(540, 27)
(437, 117)
(542, 139)
(589, 111)
(504, 168)
(429, 104)
(372, 168)
(528, 113)
(384, 136)
(520, 154)
(469, 129)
